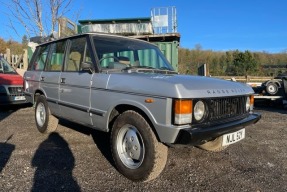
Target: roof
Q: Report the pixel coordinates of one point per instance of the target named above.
(121, 20)
(93, 33)
(167, 37)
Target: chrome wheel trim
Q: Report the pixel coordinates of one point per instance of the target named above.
(41, 114)
(130, 146)
(271, 89)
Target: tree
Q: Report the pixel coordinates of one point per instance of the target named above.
(38, 17)
(2, 46)
(244, 63)
(183, 60)
(229, 63)
(25, 41)
(14, 46)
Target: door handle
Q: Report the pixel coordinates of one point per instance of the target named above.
(42, 78)
(63, 80)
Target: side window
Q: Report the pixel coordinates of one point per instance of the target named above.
(39, 62)
(57, 56)
(78, 53)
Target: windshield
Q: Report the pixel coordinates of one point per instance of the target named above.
(124, 53)
(5, 67)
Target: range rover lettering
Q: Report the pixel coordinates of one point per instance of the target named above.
(128, 88)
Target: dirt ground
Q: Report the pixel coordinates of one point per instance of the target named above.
(76, 158)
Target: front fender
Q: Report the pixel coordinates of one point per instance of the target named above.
(132, 103)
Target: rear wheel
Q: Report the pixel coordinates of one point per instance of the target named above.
(45, 121)
(214, 145)
(136, 151)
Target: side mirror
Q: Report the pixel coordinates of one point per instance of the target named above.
(87, 67)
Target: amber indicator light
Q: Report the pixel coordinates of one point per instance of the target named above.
(251, 99)
(183, 106)
(149, 100)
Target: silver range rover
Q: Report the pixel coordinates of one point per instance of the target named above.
(128, 88)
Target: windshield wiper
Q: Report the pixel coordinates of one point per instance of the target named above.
(140, 67)
(165, 68)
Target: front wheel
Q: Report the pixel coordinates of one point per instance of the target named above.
(45, 121)
(136, 151)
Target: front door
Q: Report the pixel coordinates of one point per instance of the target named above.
(75, 84)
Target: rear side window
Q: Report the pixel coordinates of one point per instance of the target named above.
(57, 56)
(40, 60)
(78, 53)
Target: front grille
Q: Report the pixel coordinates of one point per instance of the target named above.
(223, 108)
(15, 91)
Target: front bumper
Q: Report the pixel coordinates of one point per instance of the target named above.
(9, 100)
(197, 136)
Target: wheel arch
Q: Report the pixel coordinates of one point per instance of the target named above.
(37, 93)
(121, 108)
(275, 82)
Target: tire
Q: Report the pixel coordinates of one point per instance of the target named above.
(45, 121)
(272, 88)
(214, 146)
(136, 151)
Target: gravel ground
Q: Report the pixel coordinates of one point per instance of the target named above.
(76, 158)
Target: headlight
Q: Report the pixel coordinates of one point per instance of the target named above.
(2, 89)
(199, 110)
(248, 104)
(26, 85)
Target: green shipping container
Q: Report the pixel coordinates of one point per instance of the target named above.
(167, 43)
(170, 50)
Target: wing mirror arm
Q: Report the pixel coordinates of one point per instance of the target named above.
(87, 67)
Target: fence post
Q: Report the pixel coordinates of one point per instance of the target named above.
(15, 58)
(8, 55)
(247, 78)
(25, 59)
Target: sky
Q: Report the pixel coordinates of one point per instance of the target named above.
(218, 25)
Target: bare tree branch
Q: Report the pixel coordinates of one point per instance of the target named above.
(38, 17)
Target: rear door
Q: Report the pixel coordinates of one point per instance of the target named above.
(75, 84)
(33, 74)
(49, 80)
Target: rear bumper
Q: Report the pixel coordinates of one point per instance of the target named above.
(197, 136)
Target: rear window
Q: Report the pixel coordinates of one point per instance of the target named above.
(40, 60)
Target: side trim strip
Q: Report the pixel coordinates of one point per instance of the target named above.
(95, 112)
(76, 107)
(129, 93)
(80, 108)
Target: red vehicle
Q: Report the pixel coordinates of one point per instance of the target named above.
(11, 85)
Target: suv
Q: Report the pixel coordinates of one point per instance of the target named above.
(128, 88)
(11, 85)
